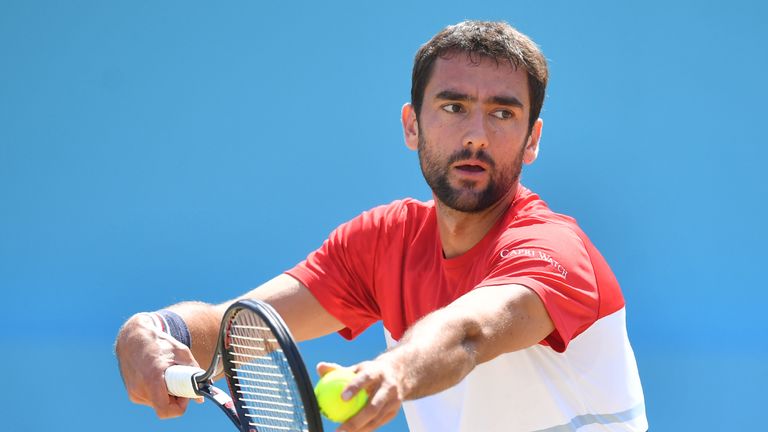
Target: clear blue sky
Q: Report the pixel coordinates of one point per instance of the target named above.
(156, 151)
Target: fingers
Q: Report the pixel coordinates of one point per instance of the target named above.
(364, 379)
(133, 397)
(376, 378)
(176, 407)
(182, 355)
(381, 408)
(367, 422)
(165, 405)
(144, 353)
(325, 367)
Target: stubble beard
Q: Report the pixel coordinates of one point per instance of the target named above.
(467, 198)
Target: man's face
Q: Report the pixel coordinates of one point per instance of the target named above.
(472, 132)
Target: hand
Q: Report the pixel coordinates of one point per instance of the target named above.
(144, 352)
(380, 378)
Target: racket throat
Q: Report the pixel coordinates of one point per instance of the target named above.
(222, 400)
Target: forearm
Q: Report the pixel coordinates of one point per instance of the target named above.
(304, 315)
(202, 321)
(435, 354)
(145, 349)
(296, 305)
(143, 331)
(442, 348)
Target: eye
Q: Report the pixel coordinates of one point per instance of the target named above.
(503, 114)
(453, 108)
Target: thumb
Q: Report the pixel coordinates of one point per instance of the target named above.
(325, 367)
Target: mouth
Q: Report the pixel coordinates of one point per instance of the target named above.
(470, 167)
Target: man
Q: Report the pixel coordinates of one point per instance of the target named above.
(500, 314)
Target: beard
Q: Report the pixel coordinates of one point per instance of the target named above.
(467, 197)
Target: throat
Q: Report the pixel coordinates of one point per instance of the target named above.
(460, 232)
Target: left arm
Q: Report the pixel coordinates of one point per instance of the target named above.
(438, 351)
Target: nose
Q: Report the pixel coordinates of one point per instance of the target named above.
(476, 134)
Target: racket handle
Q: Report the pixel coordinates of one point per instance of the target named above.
(180, 380)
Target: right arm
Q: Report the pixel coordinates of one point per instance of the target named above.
(144, 352)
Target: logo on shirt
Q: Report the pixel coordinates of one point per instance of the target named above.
(535, 254)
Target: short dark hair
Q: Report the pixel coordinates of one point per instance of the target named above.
(496, 40)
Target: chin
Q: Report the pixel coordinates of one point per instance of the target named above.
(468, 204)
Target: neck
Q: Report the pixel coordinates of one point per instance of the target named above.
(460, 231)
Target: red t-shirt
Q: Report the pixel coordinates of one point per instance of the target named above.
(387, 264)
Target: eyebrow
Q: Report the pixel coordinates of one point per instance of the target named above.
(498, 100)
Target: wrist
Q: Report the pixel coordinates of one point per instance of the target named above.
(151, 320)
(396, 370)
(135, 328)
(166, 321)
(173, 324)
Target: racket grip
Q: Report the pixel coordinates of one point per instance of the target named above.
(180, 380)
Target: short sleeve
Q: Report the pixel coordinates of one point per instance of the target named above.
(553, 261)
(339, 274)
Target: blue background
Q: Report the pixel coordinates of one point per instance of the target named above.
(156, 151)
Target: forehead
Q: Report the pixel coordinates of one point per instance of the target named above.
(481, 77)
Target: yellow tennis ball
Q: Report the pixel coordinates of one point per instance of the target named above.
(328, 393)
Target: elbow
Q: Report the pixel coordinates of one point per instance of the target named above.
(471, 343)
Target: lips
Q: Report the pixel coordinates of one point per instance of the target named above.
(470, 168)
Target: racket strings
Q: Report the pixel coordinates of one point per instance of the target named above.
(262, 381)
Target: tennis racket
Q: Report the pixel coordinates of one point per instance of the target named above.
(268, 382)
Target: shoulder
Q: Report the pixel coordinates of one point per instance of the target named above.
(403, 208)
(530, 217)
(398, 212)
(532, 230)
(536, 234)
(397, 216)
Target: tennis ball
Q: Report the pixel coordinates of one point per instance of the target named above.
(328, 393)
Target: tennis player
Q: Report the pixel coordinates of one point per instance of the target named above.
(500, 314)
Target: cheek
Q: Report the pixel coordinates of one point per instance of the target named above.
(440, 126)
(510, 149)
(505, 133)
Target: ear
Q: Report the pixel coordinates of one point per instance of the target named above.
(532, 145)
(410, 127)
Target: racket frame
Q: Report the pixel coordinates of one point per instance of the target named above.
(223, 363)
(284, 338)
